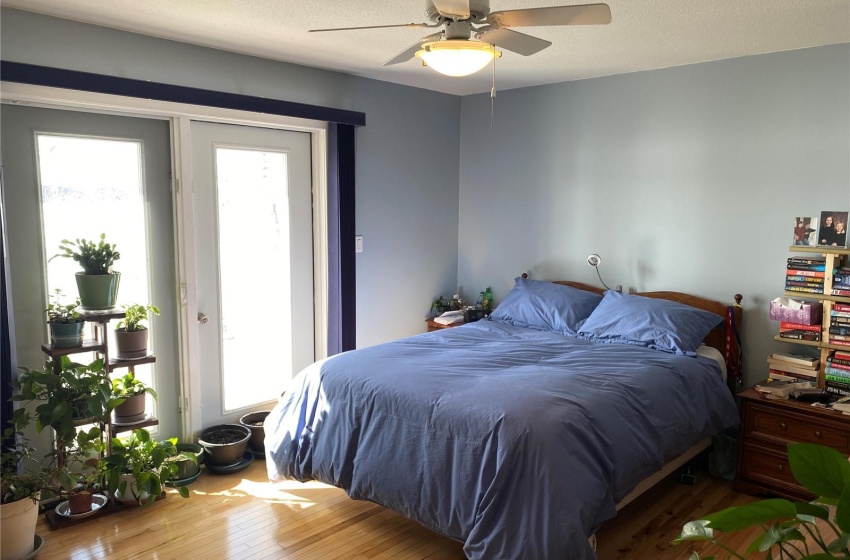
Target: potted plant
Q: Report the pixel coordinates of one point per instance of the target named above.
(224, 444)
(188, 464)
(131, 392)
(138, 466)
(98, 283)
(78, 395)
(66, 325)
(21, 482)
(131, 337)
(255, 421)
(824, 472)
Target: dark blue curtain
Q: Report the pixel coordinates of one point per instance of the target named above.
(7, 335)
(342, 287)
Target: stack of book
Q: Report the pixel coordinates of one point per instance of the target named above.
(799, 331)
(841, 282)
(839, 324)
(787, 366)
(782, 390)
(805, 274)
(837, 373)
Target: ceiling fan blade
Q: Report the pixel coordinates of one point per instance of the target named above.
(587, 14)
(411, 25)
(410, 51)
(513, 41)
(452, 8)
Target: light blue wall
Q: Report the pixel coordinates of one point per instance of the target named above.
(407, 155)
(684, 179)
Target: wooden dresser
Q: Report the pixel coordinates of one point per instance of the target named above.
(767, 427)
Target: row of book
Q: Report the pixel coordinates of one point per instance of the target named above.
(837, 373)
(808, 274)
(805, 274)
(841, 282)
(839, 325)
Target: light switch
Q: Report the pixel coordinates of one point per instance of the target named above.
(358, 243)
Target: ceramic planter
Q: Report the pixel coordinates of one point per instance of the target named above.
(224, 444)
(254, 421)
(131, 410)
(98, 291)
(66, 335)
(185, 467)
(132, 344)
(17, 528)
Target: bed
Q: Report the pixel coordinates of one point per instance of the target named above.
(519, 435)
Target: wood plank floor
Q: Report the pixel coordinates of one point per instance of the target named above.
(243, 517)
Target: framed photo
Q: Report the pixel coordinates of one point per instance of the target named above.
(804, 231)
(832, 231)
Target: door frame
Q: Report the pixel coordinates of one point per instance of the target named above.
(180, 116)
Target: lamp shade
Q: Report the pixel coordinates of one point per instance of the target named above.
(457, 57)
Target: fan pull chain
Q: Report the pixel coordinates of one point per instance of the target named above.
(493, 91)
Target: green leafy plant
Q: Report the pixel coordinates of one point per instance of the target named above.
(95, 258)
(20, 474)
(785, 524)
(146, 463)
(128, 386)
(61, 401)
(134, 315)
(59, 313)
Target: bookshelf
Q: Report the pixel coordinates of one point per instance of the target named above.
(835, 258)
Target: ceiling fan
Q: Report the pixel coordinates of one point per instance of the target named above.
(470, 32)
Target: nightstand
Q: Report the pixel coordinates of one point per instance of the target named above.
(432, 326)
(767, 427)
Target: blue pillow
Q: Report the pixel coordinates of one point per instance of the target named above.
(650, 322)
(546, 306)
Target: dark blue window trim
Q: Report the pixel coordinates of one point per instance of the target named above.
(100, 83)
(341, 161)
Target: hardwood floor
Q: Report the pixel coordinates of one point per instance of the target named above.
(243, 517)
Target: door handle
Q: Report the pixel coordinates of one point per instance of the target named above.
(203, 319)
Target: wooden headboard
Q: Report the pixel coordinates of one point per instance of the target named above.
(716, 338)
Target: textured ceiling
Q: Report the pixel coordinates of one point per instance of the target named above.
(643, 34)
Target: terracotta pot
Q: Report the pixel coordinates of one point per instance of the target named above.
(254, 421)
(80, 502)
(225, 444)
(132, 344)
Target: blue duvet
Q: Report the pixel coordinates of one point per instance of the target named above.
(516, 442)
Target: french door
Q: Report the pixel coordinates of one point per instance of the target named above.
(253, 226)
(71, 174)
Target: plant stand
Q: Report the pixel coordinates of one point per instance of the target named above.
(99, 344)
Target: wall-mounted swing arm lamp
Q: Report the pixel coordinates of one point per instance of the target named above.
(595, 260)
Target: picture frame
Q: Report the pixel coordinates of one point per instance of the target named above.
(832, 229)
(805, 229)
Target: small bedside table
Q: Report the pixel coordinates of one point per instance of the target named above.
(433, 326)
(767, 427)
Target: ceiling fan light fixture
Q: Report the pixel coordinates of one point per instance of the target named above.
(457, 57)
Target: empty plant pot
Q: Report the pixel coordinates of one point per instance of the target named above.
(225, 444)
(80, 502)
(254, 421)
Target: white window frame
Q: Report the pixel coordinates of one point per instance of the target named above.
(180, 116)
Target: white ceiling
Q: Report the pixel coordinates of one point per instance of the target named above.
(643, 34)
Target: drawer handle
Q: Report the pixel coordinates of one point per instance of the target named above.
(818, 434)
(781, 467)
(782, 425)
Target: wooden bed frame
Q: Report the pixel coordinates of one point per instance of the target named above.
(716, 339)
